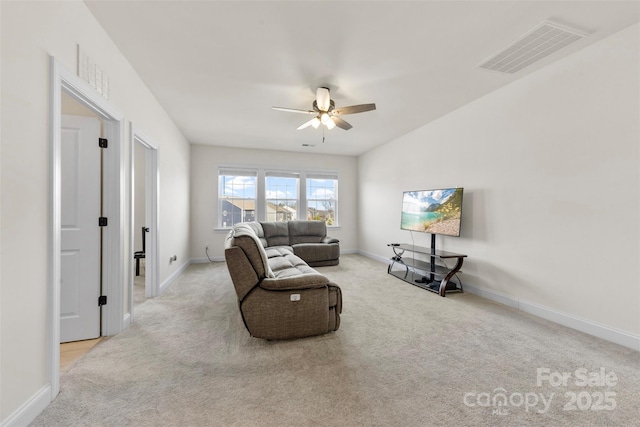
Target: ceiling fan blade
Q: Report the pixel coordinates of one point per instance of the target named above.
(352, 109)
(293, 110)
(341, 123)
(323, 99)
(306, 124)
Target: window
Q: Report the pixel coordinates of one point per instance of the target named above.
(322, 201)
(281, 195)
(237, 196)
(256, 194)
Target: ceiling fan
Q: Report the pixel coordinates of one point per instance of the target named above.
(325, 112)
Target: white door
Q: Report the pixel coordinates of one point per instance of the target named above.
(80, 233)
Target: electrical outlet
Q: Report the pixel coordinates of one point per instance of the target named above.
(206, 248)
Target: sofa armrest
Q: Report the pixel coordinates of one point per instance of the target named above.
(328, 239)
(305, 281)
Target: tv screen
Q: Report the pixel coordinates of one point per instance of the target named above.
(432, 211)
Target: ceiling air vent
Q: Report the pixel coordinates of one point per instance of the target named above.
(537, 44)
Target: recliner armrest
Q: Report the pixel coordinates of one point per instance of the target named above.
(305, 281)
(328, 239)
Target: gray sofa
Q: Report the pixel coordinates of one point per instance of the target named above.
(279, 294)
(306, 239)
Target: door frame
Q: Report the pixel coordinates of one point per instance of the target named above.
(152, 195)
(62, 79)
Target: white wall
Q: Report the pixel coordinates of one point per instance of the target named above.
(550, 170)
(30, 32)
(204, 181)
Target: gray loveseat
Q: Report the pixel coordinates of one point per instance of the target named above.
(279, 294)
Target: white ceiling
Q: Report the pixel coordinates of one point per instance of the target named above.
(218, 67)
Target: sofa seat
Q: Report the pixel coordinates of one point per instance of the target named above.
(286, 264)
(318, 254)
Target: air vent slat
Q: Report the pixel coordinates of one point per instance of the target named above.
(542, 41)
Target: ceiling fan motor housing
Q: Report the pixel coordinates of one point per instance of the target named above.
(332, 105)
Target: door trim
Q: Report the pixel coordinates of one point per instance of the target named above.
(152, 195)
(113, 261)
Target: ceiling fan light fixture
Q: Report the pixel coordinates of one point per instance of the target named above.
(315, 122)
(326, 120)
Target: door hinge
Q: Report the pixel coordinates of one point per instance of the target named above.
(102, 221)
(103, 142)
(102, 300)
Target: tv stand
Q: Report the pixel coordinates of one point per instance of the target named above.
(432, 275)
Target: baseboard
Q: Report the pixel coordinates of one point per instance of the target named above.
(29, 410)
(494, 296)
(126, 320)
(588, 327)
(169, 280)
(373, 256)
(348, 251)
(207, 260)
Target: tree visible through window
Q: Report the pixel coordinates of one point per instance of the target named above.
(237, 197)
(321, 197)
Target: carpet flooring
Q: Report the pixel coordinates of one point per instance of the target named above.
(402, 357)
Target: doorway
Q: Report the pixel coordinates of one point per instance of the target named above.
(112, 319)
(144, 218)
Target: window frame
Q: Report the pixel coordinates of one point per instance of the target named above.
(261, 201)
(282, 174)
(323, 176)
(235, 172)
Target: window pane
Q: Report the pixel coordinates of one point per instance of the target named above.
(281, 197)
(322, 199)
(237, 198)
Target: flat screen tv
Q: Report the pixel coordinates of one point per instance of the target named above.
(432, 211)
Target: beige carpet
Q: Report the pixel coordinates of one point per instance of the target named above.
(402, 357)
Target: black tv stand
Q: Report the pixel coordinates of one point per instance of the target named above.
(432, 275)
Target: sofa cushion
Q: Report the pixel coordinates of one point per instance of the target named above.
(307, 231)
(276, 233)
(289, 265)
(273, 251)
(305, 281)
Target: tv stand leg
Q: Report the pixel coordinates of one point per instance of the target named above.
(445, 281)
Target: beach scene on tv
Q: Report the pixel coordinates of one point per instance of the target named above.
(432, 211)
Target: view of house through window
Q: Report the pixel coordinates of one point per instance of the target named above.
(281, 194)
(281, 198)
(237, 200)
(322, 198)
